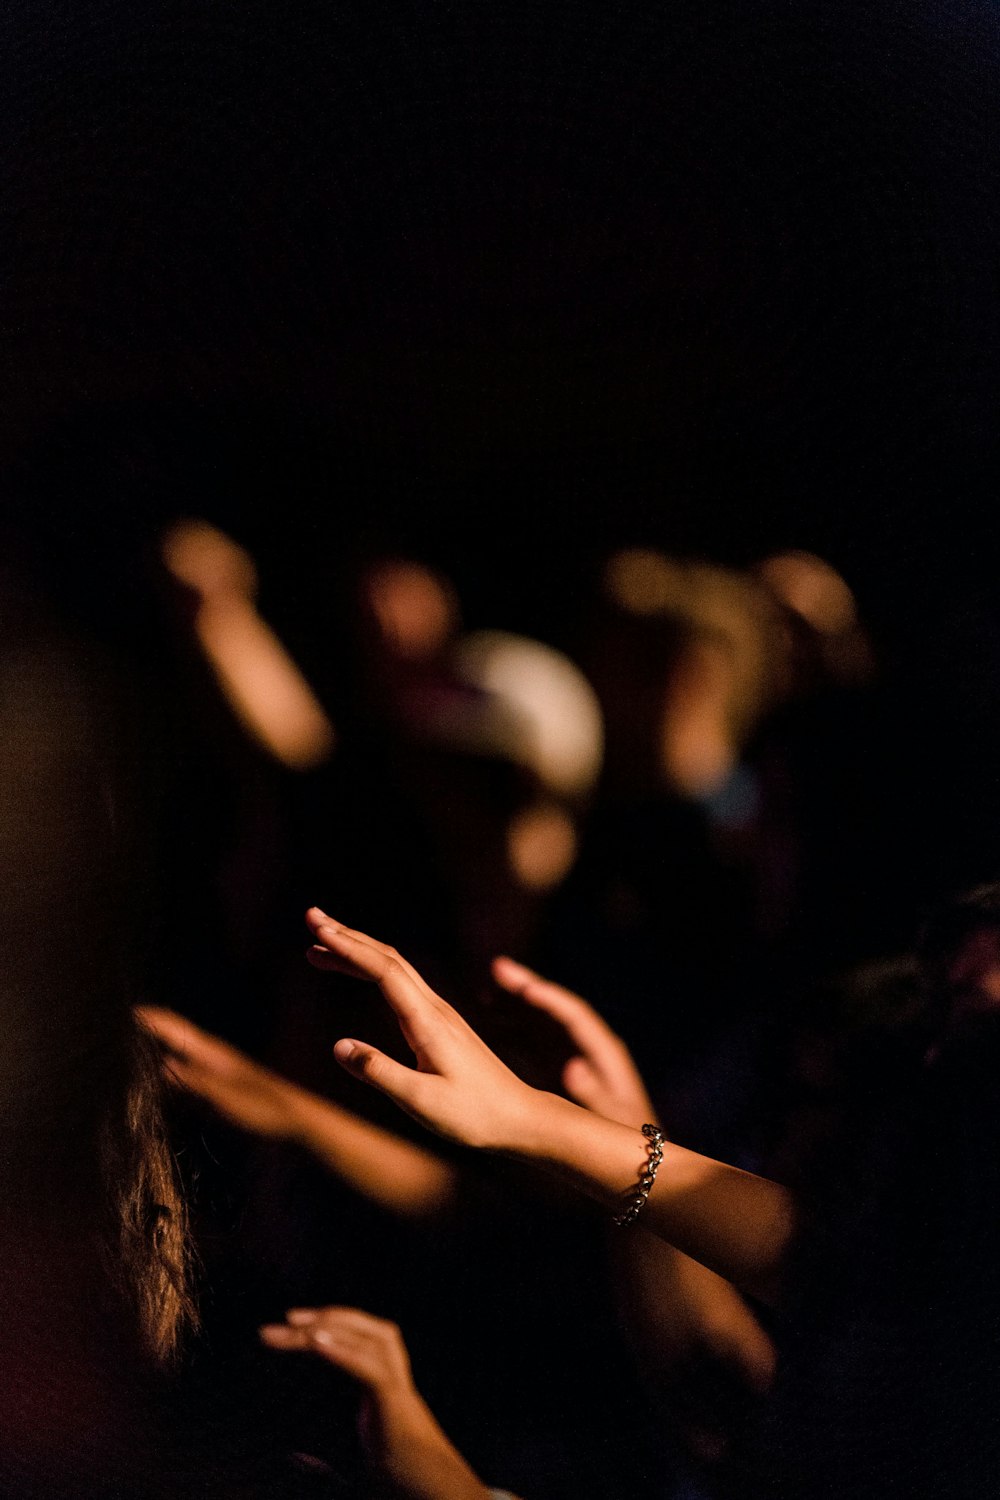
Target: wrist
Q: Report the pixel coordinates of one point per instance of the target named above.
(534, 1124)
(418, 1456)
(602, 1157)
(554, 1131)
(406, 1415)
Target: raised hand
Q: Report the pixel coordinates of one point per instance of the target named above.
(458, 1088)
(400, 1433)
(245, 1092)
(602, 1076)
(737, 1224)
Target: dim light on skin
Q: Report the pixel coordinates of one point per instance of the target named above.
(416, 610)
(732, 673)
(813, 589)
(698, 752)
(810, 588)
(261, 682)
(974, 976)
(541, 845)
(643, 581)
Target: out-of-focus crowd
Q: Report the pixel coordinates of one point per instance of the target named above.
(673, 807)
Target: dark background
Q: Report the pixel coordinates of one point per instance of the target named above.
(514, 284)
(508, 286)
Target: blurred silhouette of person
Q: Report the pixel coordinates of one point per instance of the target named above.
(97, 1286)
(99, 1301)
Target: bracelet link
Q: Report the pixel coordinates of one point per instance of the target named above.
(654, 1136)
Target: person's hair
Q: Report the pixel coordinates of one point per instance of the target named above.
(84, 1154)
(146, 1241)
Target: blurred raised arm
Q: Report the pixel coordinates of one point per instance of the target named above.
(403, 1439)
(397, 1175)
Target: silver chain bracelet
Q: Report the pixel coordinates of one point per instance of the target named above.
(654, 1136)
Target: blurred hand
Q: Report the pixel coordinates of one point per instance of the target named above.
(602, 1076)
(459, 1088)
(398, 1429)
(398, 1175)
(245, 1092)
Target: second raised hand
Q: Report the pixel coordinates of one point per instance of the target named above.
(459, 1088)
(602, 1074)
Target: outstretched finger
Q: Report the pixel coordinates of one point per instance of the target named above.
(185, 1040)
(325, 957)
(175, 1032)
(281, 1336)
(415, 1005)
(342, 1347)
(352, 1352)
(588, 1031)
(354, 1319)
(332, 962)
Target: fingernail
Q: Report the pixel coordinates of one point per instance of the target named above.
(321, 1336)
(301, 1315)
(316, 914)
(344, 1050)
(328, 929)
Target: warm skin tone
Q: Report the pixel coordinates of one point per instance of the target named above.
(411, 1456)
(673, 1305)
(392, 1172)
(407, 1448)
(737, 1224)
(463, 1091)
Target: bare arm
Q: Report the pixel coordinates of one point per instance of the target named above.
(673, 1306)
(392, 1172)
(675, 1309)
(737, 1224)
(404, 1441)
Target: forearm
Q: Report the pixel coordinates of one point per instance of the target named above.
(433, 1469)
(417, 1458)
(738, 1225)
(383, 1167)
(726, 1327)
(676, 1309)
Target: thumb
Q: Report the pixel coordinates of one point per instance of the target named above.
(372, 1066)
